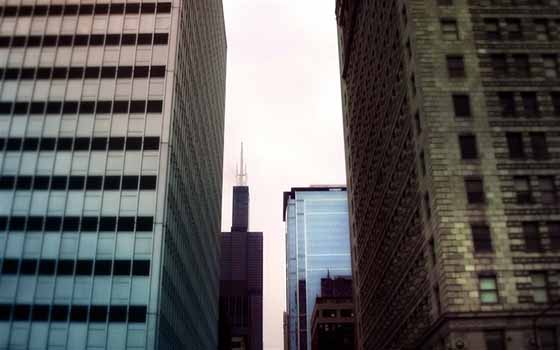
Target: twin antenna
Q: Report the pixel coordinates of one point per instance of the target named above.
(241, 171)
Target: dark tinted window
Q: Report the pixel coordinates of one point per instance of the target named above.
(47, 267)
(40, 313)
(41, 182)
(98, 313)
(103, 267)
(515, 144)
(65, 268)
(122, 268)
(475, 190)
(461, 105)
(59, 313)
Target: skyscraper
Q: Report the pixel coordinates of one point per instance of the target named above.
(450, 123)
(111, 140)
(317, 245)
(241, 281)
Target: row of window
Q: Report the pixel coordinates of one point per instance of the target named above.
(538, 142)
(86, 9)
(76, 223)
(530, 103)
(533, 237)
(505, 3)
(50, 267)
(513, 29)
(131, 143)
(498, 340)
(73, 313)
(525, 193)
(507, 99)
(519, 65)
(121, 72)
(83, 107)
(79, 183)
(540, 287)
(516, 147)
(84, 40)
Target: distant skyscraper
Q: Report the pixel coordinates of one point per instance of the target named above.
(111, 147)
(241, 282)
(451, 130)
(317, 244)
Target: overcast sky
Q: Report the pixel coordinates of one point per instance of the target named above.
(283, 102)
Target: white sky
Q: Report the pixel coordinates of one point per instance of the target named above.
(283, 102)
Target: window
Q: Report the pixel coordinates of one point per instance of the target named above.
(513, 27)
(461, 105)
(449, 29)
(547, 339)
(555, 100)
(492, 29)
(499, 65)
(437, 296)
(455, 66)
(427, 206)
(523, 191)
(467, 144)
(475, 190)
(542, 29)
(515, 144)
(539, 145)
(433, 254)
(532, 236)
(530, 104)
(482, 240)
(547, 188)
(418, 123)
(422, 163)
(488, 288)
(521, 66)
(495, 340)
(539, 287)
(554, 234)
(550, 65)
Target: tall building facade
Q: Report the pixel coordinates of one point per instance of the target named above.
(451, 132)
(111, 146)
(241, 281)
(317, 246)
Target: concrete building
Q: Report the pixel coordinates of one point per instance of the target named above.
(317, 245)
(452, 145)
(241, 281)
(333, 316)
(111, 147)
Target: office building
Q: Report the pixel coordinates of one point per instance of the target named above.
(111, 139)
(333, 316)
(451, 135)
(241, 278)
(317, 246)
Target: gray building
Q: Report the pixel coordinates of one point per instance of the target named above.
(452, 142)
(111, 140)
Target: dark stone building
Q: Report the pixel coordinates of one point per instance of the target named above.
(451, 131)
(333, 316)
(241, 282)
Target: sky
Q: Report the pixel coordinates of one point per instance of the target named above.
(283, 102)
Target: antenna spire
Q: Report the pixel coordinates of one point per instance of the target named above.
(241, 171)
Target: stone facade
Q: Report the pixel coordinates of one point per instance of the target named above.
(451, 129)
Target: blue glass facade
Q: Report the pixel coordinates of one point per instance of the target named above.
(317, 245)
(111, 139)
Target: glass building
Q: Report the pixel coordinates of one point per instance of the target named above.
(111, 152)
(317, 246)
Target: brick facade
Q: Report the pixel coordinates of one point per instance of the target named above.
(415, 77)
